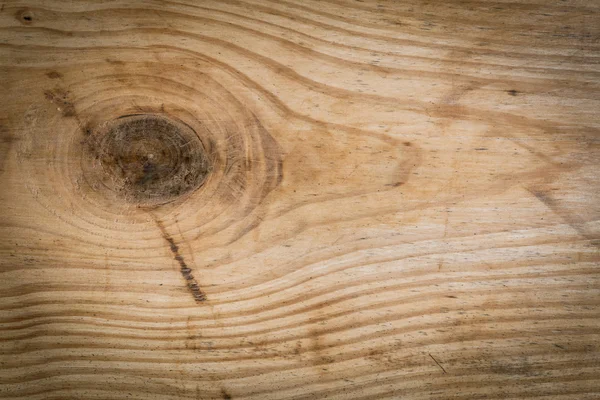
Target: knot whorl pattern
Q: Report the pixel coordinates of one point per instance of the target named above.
(148, 159)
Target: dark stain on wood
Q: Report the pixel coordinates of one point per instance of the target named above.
(114, 62)
(61, 98)
(54, 75)
(395, 184)
(6, 141)
(225, 394)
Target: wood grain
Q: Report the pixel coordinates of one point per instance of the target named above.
(295, 199)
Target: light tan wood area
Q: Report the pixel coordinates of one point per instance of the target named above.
(299, 199)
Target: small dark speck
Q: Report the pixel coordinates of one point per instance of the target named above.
(481, 148)
(559, 346)
(115, 62)
(512, 92)
(54, 75)
(25, 16)
(452, 297)
(395, 184)
(225, 395)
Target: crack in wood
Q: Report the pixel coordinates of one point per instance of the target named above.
(185, 270)
(438, 364)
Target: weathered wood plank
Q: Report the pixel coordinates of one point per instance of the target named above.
(299, 199)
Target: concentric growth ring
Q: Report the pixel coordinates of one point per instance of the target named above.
(124, 149)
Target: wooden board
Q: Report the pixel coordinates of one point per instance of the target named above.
(299, 199)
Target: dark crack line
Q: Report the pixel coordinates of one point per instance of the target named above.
(439, 365)
(186, 271)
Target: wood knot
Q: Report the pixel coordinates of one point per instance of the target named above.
(149, 159)
(25, 16)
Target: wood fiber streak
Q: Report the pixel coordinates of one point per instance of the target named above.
(299, 199)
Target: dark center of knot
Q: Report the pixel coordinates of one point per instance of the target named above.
(150, 159)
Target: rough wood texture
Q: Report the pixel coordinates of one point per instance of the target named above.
(296, 199)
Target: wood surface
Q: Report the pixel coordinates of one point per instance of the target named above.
(299, 199)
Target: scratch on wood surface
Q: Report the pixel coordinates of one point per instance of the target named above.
(439, 365)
